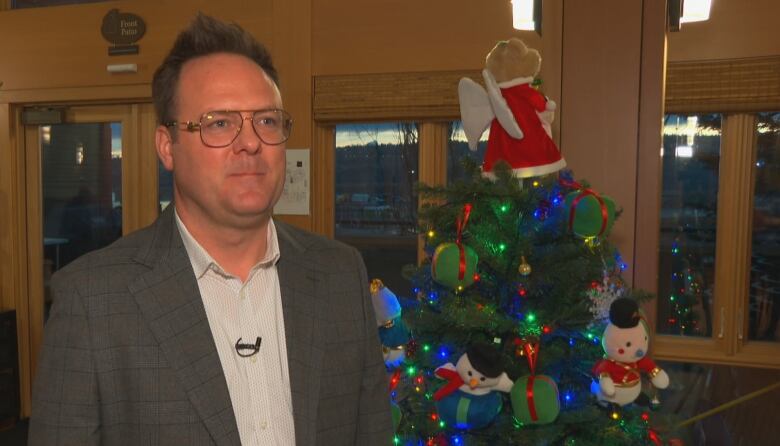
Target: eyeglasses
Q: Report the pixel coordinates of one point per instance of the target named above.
(221, 127)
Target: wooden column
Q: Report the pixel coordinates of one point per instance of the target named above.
(612, 80)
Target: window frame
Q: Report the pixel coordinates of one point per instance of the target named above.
(729, 343)
(344, 99)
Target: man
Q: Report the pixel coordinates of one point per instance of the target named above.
(217, 324)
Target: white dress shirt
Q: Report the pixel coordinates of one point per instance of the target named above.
(259, 385)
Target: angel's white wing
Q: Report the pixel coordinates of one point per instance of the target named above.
(475, 110)
(500, 107)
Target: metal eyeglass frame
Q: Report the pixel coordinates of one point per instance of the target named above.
(192, 126)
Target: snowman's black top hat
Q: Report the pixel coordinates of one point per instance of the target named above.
(485, 359)
(624, 313)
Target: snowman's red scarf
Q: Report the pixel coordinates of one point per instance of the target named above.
(454, 381)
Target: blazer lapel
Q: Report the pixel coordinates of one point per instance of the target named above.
(170, 302)
(300, 306)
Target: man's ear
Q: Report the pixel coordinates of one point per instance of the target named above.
(163, 141)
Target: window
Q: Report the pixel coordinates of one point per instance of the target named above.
(719, 241)
(458, 150)
(81, 192)
(689, 203)
(764, 302)
(376, 171)
(717, 272)
(165, 186)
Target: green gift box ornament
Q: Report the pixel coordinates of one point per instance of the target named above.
(590, 214)
(455, 264)
(535, 398)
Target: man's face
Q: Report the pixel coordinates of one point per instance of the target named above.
(230, 186)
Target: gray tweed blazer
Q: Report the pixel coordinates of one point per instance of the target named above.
(128, 357)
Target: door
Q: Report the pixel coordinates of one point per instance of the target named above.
(91, 176)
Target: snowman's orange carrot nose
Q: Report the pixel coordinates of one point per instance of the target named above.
(473, 382)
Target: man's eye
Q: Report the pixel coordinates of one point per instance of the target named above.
(218, 124)
(267, 121)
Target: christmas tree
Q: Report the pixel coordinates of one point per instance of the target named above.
(522, 268)
(685, 294)
(518, 286)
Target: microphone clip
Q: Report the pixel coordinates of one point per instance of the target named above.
(247, 350)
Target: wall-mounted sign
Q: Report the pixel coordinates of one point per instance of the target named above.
(123, 30)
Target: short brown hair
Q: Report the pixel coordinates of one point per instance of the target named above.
(205, 35)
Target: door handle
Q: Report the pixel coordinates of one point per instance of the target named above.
(740, 323)
(722, 321)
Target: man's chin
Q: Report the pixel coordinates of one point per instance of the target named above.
(252, 212)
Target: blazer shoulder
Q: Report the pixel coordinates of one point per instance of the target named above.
(119, 256)
(324, 252)
(305, 240)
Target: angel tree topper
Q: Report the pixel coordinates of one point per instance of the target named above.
(625, 341)
(519, 117)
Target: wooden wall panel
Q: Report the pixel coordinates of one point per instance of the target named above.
(388, 36)
(736, 29)
(648, 184)
(62, 46)
(392, 36)
(292, 57)
(602, 75)
(9, 201)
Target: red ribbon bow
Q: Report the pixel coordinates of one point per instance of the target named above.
(461, 224)
(531, 350)
(454, 381)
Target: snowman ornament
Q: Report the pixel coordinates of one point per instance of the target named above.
(393, 333)
(470, 398)
(625, 341)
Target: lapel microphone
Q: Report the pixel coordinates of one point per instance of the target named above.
(247, 350)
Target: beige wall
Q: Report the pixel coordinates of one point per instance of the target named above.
(383, 36)
(60, 49)
(62, 46)
(736, 29)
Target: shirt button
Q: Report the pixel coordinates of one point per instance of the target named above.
(253, 359)
(242, 294)
(263, 425)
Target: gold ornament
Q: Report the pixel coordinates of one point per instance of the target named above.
(524, 269)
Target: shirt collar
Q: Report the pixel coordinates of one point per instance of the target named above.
(201, 260)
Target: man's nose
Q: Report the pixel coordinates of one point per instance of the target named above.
(247, 139)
